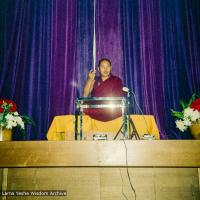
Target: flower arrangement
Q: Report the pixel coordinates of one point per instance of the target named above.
(190, 113)
(10, 118)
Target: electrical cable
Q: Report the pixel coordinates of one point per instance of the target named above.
(132, 188)
(141, 113)
(123, 186)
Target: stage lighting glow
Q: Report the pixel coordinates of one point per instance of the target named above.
(111, 105)
(74, 84)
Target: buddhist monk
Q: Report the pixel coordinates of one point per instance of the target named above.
(105, 85)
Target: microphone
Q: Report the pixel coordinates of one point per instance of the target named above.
(127, 90)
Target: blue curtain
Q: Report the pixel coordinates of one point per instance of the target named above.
(25, 59)
(161, 56)
(181, 54)
(46, 52)
(46, 49)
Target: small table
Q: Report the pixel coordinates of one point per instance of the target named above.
(113, 102)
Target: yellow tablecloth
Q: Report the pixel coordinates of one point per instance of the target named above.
(62, 127)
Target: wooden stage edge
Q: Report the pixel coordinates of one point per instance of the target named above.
(152, 153)
(96, 170)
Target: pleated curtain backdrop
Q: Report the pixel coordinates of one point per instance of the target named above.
(46, 51)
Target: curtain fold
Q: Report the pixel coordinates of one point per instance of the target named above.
(85, 27)
(108, 34)
(63, 57)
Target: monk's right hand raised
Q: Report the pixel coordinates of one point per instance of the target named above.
(92, 74)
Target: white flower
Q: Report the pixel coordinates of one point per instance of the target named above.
(10, 121)
(9, 117)
(188, 112)
(195, 115)
(19, 121)
(180, 125)
(191, 114)
(16, 113)
(187, 122)
(22, 125)
(10, 124)
(14, 120)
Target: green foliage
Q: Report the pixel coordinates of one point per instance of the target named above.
(27, 120)
(184, 105)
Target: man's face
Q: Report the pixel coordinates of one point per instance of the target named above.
(105, 69)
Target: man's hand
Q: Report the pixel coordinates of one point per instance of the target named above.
(89, 83)
(92, 74)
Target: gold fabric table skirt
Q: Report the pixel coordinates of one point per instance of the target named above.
(62, 127)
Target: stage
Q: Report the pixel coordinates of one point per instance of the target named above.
(158, 169)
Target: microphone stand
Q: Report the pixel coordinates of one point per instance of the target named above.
(131, 124)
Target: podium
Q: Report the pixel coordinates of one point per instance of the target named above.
(108, 102)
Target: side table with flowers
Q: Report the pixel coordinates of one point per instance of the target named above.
(189, 116)
(10, 118)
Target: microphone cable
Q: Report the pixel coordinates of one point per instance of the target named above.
(122, 191)
(136, 102)
(128, 174)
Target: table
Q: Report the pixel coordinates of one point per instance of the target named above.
(62, 127)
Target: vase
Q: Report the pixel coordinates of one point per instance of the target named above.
(195, 130)
(5, 134)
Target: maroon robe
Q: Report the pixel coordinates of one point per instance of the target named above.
(111, 87)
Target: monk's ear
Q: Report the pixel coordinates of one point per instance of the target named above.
(98, 69)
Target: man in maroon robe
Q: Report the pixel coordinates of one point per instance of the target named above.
(106, 85)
